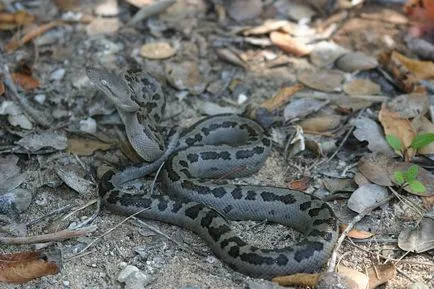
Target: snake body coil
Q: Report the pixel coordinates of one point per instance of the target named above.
(223, 145)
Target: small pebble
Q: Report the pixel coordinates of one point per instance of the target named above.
(58, 74)
(88, 125)
(127, 271)
(66, 283)
(40, 98)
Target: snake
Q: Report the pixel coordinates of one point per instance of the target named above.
(198, 161)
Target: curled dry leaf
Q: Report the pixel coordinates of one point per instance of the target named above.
(393, 124)
(281, 97)
(75, 182)
(406, 72)
(158, 50)
(289, 44)
(22, 267)
(356, 234)
(422, 70)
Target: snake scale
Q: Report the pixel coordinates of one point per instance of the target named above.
(196, 198)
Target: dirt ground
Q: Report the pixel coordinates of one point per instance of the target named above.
(166, 265)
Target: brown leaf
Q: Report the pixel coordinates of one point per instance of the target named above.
(374, 168)
(86, 147)
(422, 70)
(10, 21)
(380, 274)
(2, 88)
(22, 267)
(302, 279)
(428, 202)
(289, 44)
(25, 81)
(321, 123)
(393, 124)
(323, 79)
(14, 43)
(300, 184)
(281, 97)
(356, 234)
(359, 279)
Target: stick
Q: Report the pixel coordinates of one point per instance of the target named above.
(57, 236)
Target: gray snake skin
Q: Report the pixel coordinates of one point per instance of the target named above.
(227, 146)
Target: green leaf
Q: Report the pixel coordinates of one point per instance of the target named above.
(394, 142)
(417, 186)
(422, 140)
(411, 173)
(399, 177)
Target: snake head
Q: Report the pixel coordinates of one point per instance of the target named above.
(114, 87)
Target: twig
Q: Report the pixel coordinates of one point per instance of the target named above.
(55, 212)
(57, 236)
(181, 245)
(111, 230)
(28, 109)
(347, 135)
(388, 258)
(355, 220)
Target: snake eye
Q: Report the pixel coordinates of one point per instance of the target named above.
(104, 82)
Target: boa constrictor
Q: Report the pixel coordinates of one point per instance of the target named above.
(226, 146)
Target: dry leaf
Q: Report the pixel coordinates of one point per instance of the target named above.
(380, 274)
(158, 50)
(36, 31)
(86, 147)
(300, 184)
(25, 81)
(428, 202)
(302, 279)
(321, 123)
(393, 124)
(281, 97)
(323, 80)
(9, 21)
(231, 57)
(356, 234)
(289, 44)
(22, 267)
(422, 70)
(407, 72)
(2, 88)
(359, 279)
